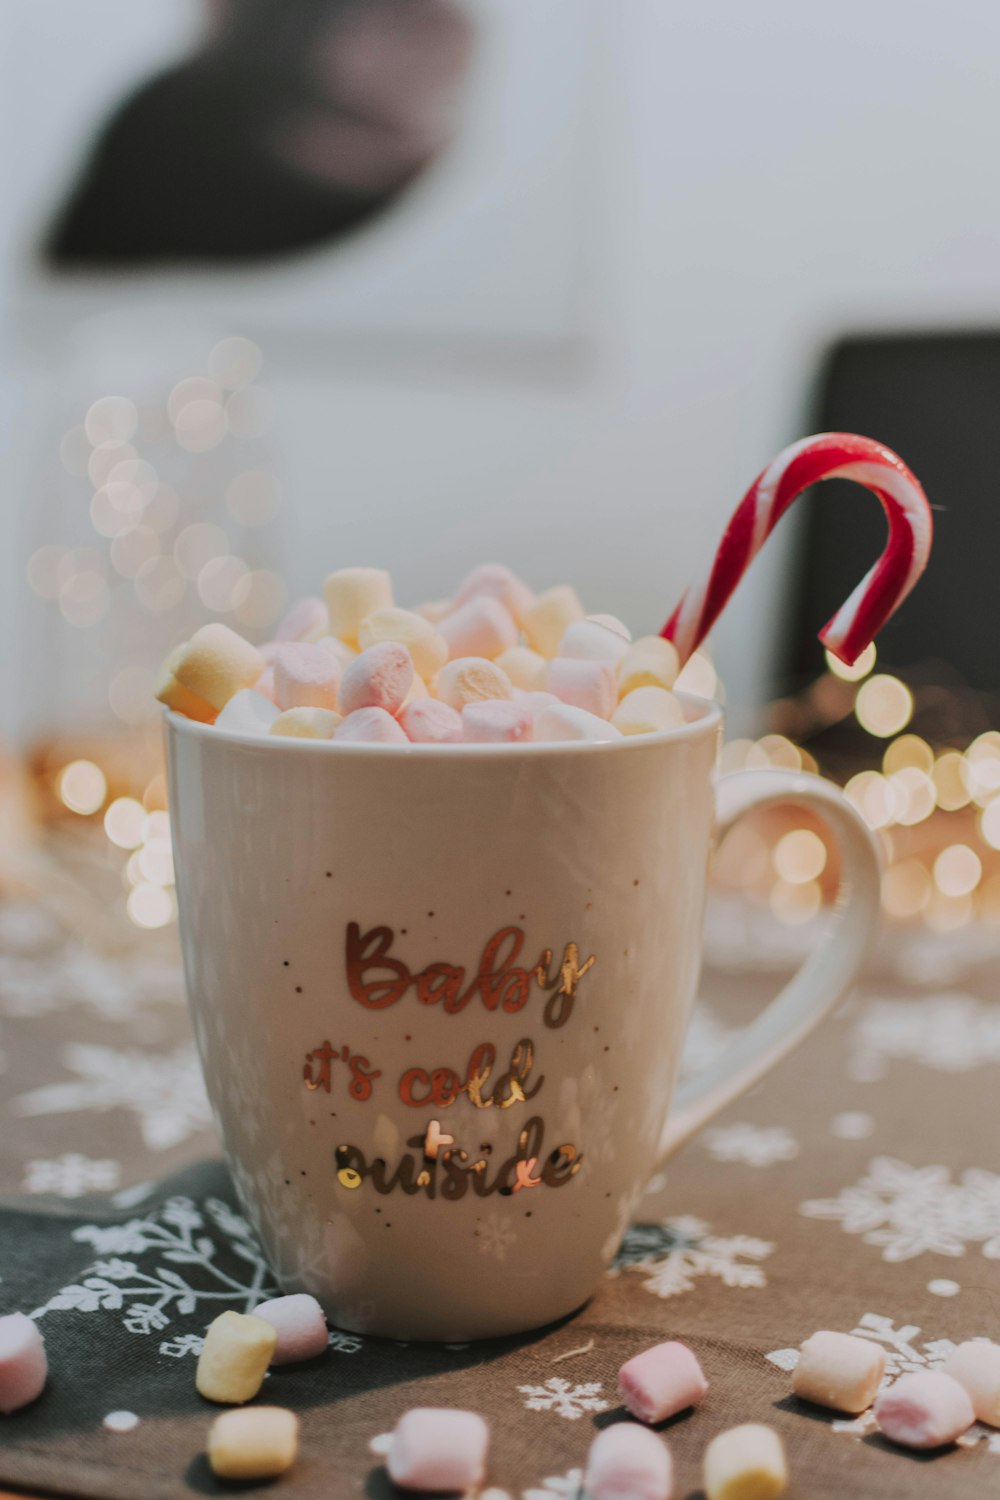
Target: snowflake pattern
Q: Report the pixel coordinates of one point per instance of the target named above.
(164, 1091)
(672, 1255)
(180, 1233)
(751, 1145)
(496, 1236)
(951, 1033)
(910, 1211)
(565, 1399)
(71, 1175)
(568, 1486)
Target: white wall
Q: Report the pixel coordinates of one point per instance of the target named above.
(766, 177)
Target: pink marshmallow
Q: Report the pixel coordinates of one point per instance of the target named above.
(379, 678)
(265, 685)
(438, 1448)
(590, 685)
(481, 627)
(428, 721)
(627, 1462)
(661, 1381)
(305, 618)
(497, 721)
(370, 726)
(536, 701)
(23, 1365)
(495, 581)
(561, 721)
(305, 676)
(269, 651)
(924, 1410)
(300, 1325)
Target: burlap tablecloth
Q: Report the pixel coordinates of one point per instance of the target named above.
(857, 1188)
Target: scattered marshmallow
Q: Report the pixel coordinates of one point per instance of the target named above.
(471, 679)
(661, 1381)
(976, 1367)
(306, 676)
(352, 594)
(627, 1462)
(746, 1463)
(924, 1410)
(216, 663)
(584, 684)
(23, 1363)
(247, 712)
(370, 726)
(234, 1358)
(839, 1370)
(438, 1448)
(300, 1324)
(258, 1442)
(306, 723)
(561, 721)
(496, 581)
(481, 627)
(525, 668)
(428, 721)
(304, 620)
(427, 647)
(597, 638)
(645, 710)
(550, 616)
(650, 661)
(497, 721)
(379, 678)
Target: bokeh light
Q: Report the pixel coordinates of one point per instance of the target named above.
(800, 856)
(82, 787)
(253, 497)
(123, 822)
(957, 870)
(861, 667)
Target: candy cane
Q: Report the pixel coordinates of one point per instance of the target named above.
(830, 455)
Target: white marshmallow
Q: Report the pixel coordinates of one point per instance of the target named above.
(650, 661)
(498, 582)
(497, 721)
(300, 1324)
(439, 1449)
(427, 647)
(550, 616)
(537, 702)
(480, 627)
(247, 712)
(594, 640)
(839, 1370)
(306, 724)
(585, 684)
(380, 677)
(352, 594)
(564, 722)
(628, 1462)
(976, 1367)
(925, 1409)
(645, 710)
(525, 668)
(306, 676)
(471, 679)
(370, 726)
(23, 1362)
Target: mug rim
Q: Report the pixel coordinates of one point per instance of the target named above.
(708, 719)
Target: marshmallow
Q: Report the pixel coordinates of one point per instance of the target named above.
(344, 653)
(427, 721)
(247, 712)
(306, 676)
(525, 668)
(352, 594)
(379, 678)
(300, 1324)
(23, 1363)
(661, 1381)
(645, 710)
(746, 1463)
(495, 581)
(306, 619)
(597, 638)
(584, 684)
(839, 1370)
(216, 663)
(924, 1410)
(650, 661)
(370, 726)
(563, 722)
(265, 685)
(169, 691)
(427, 647)
(417, 689)
(471, 679)
(550, 616)
(234, 1357)
(976, 1367)
(434, 610)
(481, 627)
(627, 1462)
(306, 724)
(497, 721)
(537, 702)
(438, 1448)
(258, 1442)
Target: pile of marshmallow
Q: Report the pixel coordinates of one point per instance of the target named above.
(496, 664)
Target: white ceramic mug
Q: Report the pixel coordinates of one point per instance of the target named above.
(440, 995)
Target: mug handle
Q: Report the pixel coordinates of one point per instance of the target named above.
(826, 975)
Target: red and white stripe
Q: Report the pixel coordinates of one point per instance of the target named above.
(829, 455)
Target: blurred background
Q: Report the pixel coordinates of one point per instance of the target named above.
(289, 285)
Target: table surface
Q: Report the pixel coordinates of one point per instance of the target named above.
(857, 1188)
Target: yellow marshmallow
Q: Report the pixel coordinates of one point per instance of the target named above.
(235, 1357)
(647, 709)
(548, 617)
(181, 699)
(258, 1442)
(306, 723)
(650, 661)
(352, 594)
(471, 679)
(427, 647)
(216, 663)
(525, 668)
(746, 1463)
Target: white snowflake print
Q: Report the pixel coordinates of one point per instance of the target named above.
(565, 1399)
(67, 975)
(672, 1255)
(496, 1236)
(181, 1233)
(951, 1033)
(71, 1175)
(344, 1343)
(910, 1211)
(568, 1486)
(163, 1090)
(752, 1145)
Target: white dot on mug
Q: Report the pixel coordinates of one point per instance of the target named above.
(380, 1444)
(121, 1421)
(942, 1287)
(853, 1125)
